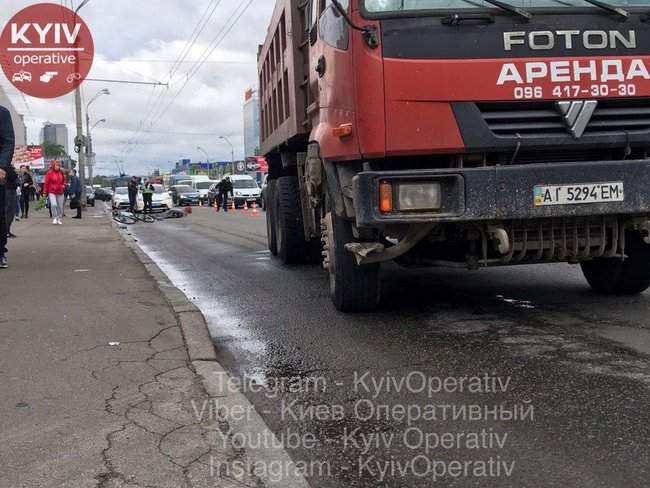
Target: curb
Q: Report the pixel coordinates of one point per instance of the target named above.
(215, 378)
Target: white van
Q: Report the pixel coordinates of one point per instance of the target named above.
(203, 187)
(245, 189)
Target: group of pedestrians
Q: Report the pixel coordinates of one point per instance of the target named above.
(19, 191)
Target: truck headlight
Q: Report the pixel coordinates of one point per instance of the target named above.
(238, 193)
(419, 196)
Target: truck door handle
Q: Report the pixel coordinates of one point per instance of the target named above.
(321, 66)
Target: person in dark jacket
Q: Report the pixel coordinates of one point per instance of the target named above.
(27, 189)
(74, 190)
(11, 201)
(225, 189)
(7, 174)
(133, 194)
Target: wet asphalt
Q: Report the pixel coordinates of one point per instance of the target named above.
(533, 340)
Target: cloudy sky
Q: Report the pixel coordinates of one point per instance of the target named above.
(139, 40)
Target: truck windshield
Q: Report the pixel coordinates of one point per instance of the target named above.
(386, 6)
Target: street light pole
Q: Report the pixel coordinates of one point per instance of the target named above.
(91, 167)
(207, 158)
(232, 160)
(89, 145)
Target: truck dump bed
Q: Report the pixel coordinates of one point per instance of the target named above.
(283, 61)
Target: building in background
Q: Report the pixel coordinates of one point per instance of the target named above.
(55, 134)
(251, 123)
(19, 123)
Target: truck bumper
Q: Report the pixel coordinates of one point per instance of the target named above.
(505, 192)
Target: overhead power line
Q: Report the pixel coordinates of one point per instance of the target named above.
(170, 61)
(230, 23)
(198, 31)
(228, 26)
(200, 25)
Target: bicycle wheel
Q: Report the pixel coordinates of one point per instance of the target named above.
(123, 218)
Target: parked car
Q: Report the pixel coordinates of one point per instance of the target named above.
(161, 200)
(184, 195)
(103, 194)
(121, 199)
(203, 187)
(90, 196)
(245, 190)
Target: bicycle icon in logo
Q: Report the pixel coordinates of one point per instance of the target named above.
(72, 77)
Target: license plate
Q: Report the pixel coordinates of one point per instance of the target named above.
(579, 193)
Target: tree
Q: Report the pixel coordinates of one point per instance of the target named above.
(53, 151)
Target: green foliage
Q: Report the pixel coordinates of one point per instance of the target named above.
(53, 151)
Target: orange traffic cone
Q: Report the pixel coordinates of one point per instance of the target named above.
(232, 205)
(245, 207)
(188, 210)
(201, 203)
(254, 213)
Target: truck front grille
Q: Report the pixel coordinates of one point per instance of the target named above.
(544, 119)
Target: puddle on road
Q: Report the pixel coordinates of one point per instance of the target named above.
(636, 339)
(569, 344)
(223, 325)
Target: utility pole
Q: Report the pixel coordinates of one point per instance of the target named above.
(79, 141)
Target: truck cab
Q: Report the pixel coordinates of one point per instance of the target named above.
(457, 133)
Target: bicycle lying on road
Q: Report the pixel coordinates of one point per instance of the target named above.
(130, 218)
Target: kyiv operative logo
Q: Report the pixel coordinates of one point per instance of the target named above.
(46, 51)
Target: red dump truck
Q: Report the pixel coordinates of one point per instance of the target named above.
(458, 133)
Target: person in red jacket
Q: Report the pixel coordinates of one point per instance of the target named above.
(54, 189)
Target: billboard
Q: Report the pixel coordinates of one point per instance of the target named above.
(31, 156)
(257, 163)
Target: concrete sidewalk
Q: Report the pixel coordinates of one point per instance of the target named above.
(97, 386)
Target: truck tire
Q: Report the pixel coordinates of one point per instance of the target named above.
(613, 276)
(269, 201)
(353, 288)
(289, 233)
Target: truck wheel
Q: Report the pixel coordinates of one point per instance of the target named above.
(270, 218)
(289, 233)
(612, 276)
(353, 288)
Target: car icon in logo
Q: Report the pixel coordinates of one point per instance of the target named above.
(22, 76)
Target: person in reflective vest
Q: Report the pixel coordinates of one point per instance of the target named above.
(147, 196)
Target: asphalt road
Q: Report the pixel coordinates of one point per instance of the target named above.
(532, 340)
